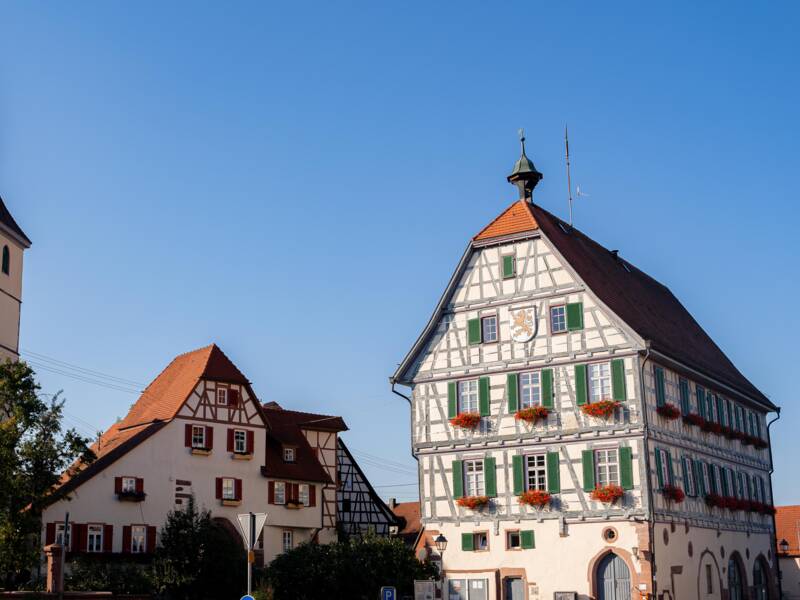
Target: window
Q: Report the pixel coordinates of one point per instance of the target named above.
(558, 319)
(468, 396)
(60, 536)
(280, 492)
(6, 261)
(709, 580)
(489, 329)
(513, 540)
(480, 541)
(606, 467)
(288, 454)
(706, 474)
(473, 478)
(287, 538)
(663, 467)
(240, 441)
(537, 471)
(530, 389)
(688, 477)
(198, 436)
(599, 381)
(467, 589)
(128, 485)
(222, 396)
(302, 494)
(94, 539)
(228, 489)
(138, 539)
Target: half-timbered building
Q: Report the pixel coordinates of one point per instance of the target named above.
(579, 435)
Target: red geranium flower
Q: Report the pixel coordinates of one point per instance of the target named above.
(473, 502)
(694, 419)
(607, 493)
(673, 493)
(669, 411)
(532, 414)
(537, 498)
(603, 408)
(466, 420)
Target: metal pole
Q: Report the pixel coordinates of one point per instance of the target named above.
(252, 545)
(65, 541)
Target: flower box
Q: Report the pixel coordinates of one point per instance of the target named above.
(532, 414)
(673, 494)
(746, 440)
(473, 502)
(694, 419)
(293, 504)
(131, 496)
(669, 411)
(602, 409)
(714, 500)
(537, 498)
(711, 427)
(607, 493)
(728, 432)
(466, 420)
(760, 443)
(201, 451)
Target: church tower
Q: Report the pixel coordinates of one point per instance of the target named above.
(13, 243)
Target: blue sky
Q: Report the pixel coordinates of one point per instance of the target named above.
(297, 183)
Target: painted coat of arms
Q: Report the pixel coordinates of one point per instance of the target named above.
(522, 324)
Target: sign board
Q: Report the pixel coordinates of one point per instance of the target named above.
(251, 525)
(424, 590)
(388, 593)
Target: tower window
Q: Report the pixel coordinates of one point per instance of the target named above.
(6, 261)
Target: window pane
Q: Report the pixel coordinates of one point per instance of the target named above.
(599, 382)
(489, 329)
(530, 389)
(558, 319)
(468, 396)
(537, 472)
(473, 478)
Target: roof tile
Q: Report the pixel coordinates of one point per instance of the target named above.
(517, 218)
(787, 527)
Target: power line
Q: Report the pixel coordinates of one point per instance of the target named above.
(373, 457)
(395, 485)
(85, 379)
(91, 372)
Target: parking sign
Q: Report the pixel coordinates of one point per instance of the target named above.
(388, 593)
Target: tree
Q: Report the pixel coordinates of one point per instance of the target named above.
(354, 569)
(197, 558)
(34, 452)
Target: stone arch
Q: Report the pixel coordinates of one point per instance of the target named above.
(736, 559)
(701, 575)
(769, 574)
(228, 527)
(597, 559)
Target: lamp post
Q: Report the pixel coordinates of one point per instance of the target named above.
(783, 546)
(441, 546)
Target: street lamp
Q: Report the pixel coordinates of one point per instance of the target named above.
(441, 543)
(783, 546)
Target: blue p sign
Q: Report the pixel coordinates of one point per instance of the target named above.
(388, 593)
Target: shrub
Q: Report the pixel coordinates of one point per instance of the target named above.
(90, 574)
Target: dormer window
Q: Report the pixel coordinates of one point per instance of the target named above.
(288, 454)
(222, 396)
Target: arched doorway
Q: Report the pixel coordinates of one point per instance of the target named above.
(613, 579)
(735, 581)
(760, 585)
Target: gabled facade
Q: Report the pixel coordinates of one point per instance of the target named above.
(577, 431)
(199, 430)
(13, 243)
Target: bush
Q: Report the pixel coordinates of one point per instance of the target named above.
(87, 574)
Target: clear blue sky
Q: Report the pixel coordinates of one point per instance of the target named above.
(297, 182)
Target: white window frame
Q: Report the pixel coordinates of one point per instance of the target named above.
(598, 379)
(476, 537)
(60, 536)
(606, 471)
(138, 539)
(558, 315)
(129, 485)
(228, 488)
(664, 464)
(489, 329)
(689, 483)
(303, 494)
(536, 465)
(94, 538)
(222, 396)
(530, 389)
(287, 540)
(468, 396)
(199, 436)
(239, 441)
(280, 492)
(474, 478)
(288, 454)
(518, 534)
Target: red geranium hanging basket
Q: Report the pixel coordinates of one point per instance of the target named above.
(603, 408)
(466, 420)
(538, 498)
(532, 414)
(669, 411)
(607, 493)
(473, 502)
(673, 493)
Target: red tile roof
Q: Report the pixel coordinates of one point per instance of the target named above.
(787, 527)
(517, 218)
(409, 512)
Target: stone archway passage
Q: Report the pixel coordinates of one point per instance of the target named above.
(760, 581)
(613, 579)
(735, 583)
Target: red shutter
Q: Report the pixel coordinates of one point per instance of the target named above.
(312, 495)
(50, 534)
(233, 397)
(270, 492)
(117, 485)
(237, 489)
(80, 532)
(230, 440)
(209, 437)
(187, 436)
(139, 485)
(250, 442)
(108, 537)
(219, 488)
(295, 491)
(126, 539)
(151, 539)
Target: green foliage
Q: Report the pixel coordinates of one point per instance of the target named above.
(197, 558)
(354, 569)
(34, 451)
(87, 574)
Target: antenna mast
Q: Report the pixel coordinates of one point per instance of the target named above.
(569, 180)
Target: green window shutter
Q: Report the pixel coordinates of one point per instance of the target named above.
(483, 396)
(700, 482)
(729, 412)
(723, 475)
(701, 401)
(685, 474)
(738, 411)
(587, 458)
(575, 316)
(626, 468)
(511, 393)
(518, 468)
(712, 478)
(458, 479)
(553, 473)
(720, 410)
(508, 266)
(526, 539)
(618, 379)
(490, 477)
(581, 390)
(474, 331)
(467, 543)
(452, 400)
(710, 407)
(661, 391)
(547, 388)
(670, 472)
(659, 469)
(684, 391)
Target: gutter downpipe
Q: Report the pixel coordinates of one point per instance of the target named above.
(411, 416)
(774, 523)
(650, 508)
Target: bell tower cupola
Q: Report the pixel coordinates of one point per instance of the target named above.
(524, 176)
